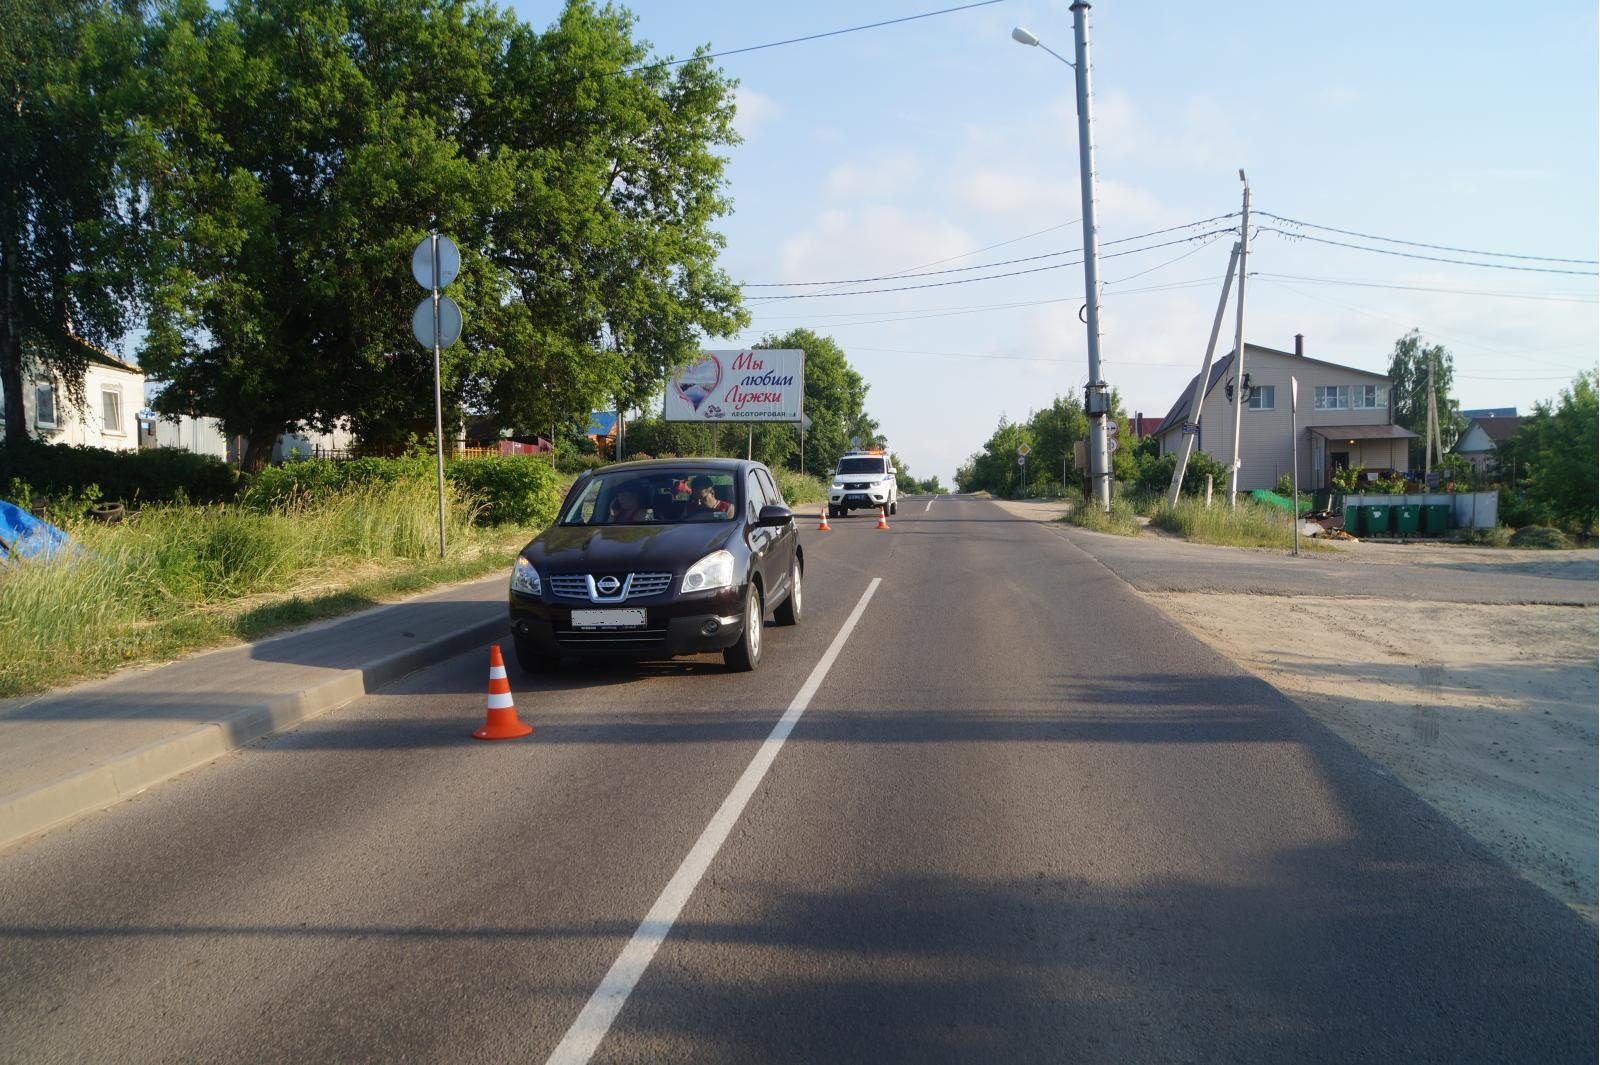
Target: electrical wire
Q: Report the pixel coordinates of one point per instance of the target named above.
(986, 277)
(1545, 297)
(912, 314)
(989, 247)
(1420, 244)
(1426, 258)
(982, 266)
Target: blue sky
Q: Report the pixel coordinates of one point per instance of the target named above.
(1464, 124)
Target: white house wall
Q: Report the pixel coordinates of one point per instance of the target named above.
(1265, 446)
(86, 426)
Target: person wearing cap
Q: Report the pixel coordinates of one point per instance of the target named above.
(703, 499)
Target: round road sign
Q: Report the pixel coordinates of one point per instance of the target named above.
(422, 263)
(449, 322)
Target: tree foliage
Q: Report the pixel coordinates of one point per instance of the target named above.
(69, 230)
(298, 149)
(1408, 393)
(1558, 457)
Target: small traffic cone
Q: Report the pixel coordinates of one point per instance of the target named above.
(824, 527)
(502, 723)
(883, 518)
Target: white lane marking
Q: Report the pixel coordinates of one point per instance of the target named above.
(583, 1038)
(928, 507)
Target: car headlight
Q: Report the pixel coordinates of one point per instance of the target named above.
(713, 571)
(524, 578)
(836, 485)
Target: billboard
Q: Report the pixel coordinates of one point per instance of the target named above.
(745, 385)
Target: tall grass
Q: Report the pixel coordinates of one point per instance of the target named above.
(800, 487)
(172, 579)
(1247, 525)
(1122, 520)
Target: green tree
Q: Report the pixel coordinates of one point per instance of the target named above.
(69, 228)
(1558, 458)
(301, 148)
(835, 399)
(1408, 392)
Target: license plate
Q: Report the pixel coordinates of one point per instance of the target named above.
(609, 619)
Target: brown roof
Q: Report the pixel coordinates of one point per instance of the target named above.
(1362, 432)
(1497, 429)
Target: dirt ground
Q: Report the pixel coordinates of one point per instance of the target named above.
(1486, 711)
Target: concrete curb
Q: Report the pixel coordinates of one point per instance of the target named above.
(28, 813)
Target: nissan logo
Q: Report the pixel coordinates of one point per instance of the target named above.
(607, 585)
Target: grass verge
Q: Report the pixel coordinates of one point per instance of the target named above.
(1123, 519)
(176, 579)
(1246, 525)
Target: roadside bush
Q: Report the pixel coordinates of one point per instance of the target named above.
(1517, 510)
(158, 475)
(799, 488)
(1540, 536)
(1284, 486)
(1155, 474)
(1122, 520)
(571, 462)
(512, 489)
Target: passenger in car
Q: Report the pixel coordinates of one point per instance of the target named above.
(703, 501)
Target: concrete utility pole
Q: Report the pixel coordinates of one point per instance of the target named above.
(1096, 396)
(1238, 343)
(1435, 439)
(1190, 433)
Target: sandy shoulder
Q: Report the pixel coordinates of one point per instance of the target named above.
(1488, 712)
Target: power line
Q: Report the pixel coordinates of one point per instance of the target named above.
(1425, 258)
(1547, 297)
(985, 277)
(809, 37)
(1420, 244)
(911, 314)
(982, 266)
(989, 247)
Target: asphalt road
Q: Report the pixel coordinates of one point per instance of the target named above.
(1023, 818)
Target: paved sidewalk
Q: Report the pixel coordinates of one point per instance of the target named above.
(65, 753)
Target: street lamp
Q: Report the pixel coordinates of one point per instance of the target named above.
(1096, 396)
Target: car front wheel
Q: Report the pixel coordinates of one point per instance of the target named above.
(745, 655)
(894, 506)
(788, 612)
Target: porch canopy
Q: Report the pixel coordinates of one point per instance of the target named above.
(1352, 433)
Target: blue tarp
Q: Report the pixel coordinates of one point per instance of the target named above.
(602, 423)
(24, 536)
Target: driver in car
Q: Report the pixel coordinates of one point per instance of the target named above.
(703, 499)
(627, 506)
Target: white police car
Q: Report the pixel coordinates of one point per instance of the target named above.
(863, 480)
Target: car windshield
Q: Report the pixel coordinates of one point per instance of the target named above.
(855, 466)
(654, 497)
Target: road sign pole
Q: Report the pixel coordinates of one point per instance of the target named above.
(438, 393)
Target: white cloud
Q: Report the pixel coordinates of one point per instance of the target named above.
(867, 242)
(888, 176)
(753, 109)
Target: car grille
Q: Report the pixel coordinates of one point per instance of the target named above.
(576, 586)
(858, 487)
(604, 638)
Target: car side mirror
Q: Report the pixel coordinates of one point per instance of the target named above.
(774, 516)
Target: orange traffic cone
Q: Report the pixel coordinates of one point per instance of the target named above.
(824, 527)
(883, 518)
(502, 723)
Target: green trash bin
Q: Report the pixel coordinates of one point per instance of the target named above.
(1352, 518)
(1407, 518)
(1436, 518)
(1374, 519)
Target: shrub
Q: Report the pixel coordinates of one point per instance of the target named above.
(158, 475)
(799, 488)
(512, 489)
(1284, 486)
(1540, 536)
(1246, 525)
(1122, 520)
(1155, 474)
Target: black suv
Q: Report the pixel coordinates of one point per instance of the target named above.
(656, 559)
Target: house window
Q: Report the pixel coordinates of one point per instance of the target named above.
(1349, 397)
(1264, 397)
(111, 409)
(44, 405)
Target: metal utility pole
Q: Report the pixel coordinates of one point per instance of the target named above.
(1238, 343)
(1096, 397)
(1190, 434)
